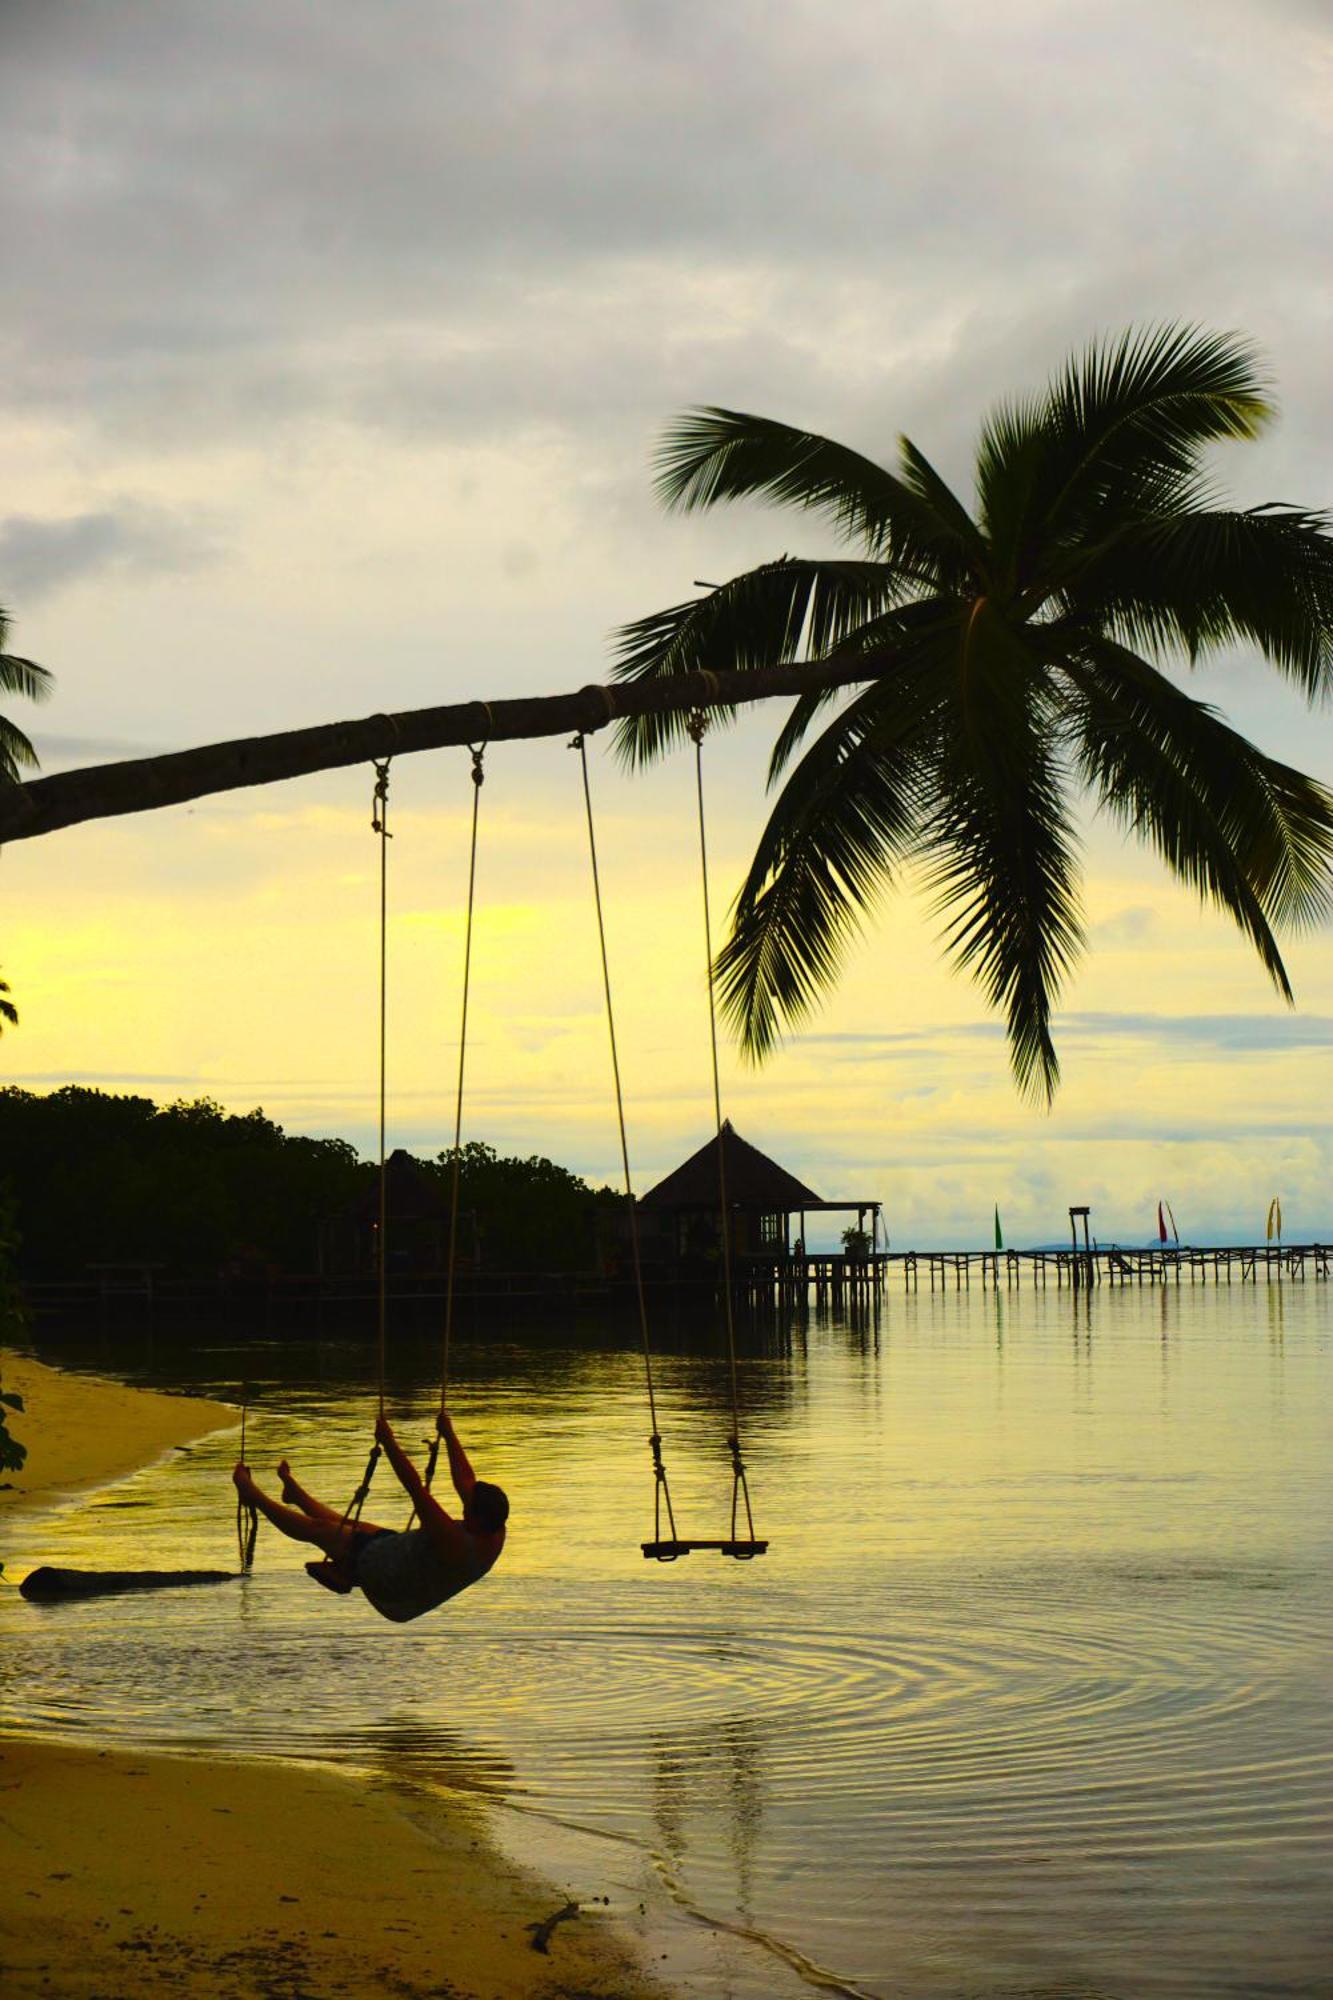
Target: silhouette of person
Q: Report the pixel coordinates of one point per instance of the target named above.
(404, 1572)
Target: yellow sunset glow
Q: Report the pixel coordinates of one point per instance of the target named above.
(231, 949)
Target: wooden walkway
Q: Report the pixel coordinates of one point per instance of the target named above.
(837, 1278)
(763, 1285)
(1244, 1264)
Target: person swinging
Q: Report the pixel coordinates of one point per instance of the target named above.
(403, 1573)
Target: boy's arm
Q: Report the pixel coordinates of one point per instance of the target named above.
(449, 1536)
(460, 1471)
(413, 1484)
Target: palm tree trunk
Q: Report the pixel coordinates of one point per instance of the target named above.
(105, 791)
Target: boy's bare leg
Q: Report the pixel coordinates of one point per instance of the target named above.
(296, 1496)
(329, 1535)
(288, 1521)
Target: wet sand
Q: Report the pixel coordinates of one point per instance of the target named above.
(124, 1874)
(142, 1875)
(83, 1431)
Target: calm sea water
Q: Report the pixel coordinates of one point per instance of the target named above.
(1031, 1695)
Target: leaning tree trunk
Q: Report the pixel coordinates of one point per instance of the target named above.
(105, 791)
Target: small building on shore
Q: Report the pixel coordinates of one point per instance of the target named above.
(768, 1211)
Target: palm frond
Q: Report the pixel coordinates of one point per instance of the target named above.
(25, 677)
(1011, 456)
(8, 1011)
(16, 753)
(794, 730)
(1252, 836)
(999, 848)
(848, 813)
(1197, 580)
(1129, 413)
(921, 478)
(710, 455)
(887, 641)
(769, 616)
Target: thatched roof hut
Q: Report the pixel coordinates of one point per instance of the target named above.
(679, 1217)
(753, 1180)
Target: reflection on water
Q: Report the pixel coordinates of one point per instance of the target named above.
(1030, 1694)
(410, 1751)
(714, 1778)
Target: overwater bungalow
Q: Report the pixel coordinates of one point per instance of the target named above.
(768, 1208)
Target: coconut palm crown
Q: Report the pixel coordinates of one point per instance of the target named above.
(1012, 661)
(23, 677)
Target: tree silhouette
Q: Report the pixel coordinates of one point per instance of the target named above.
(1010, 651)
(25, 677)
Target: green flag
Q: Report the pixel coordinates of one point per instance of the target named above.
(999, 1234)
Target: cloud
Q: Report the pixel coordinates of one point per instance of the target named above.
(1134, 926)
(400, 297)
(1204, 1034)
(109, 1079)
(227, 218)
(415, 287)
(39, 555)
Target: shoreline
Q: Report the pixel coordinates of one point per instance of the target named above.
(174, 1874)
(87, 1431)
(163, 1873)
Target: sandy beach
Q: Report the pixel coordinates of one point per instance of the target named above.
(126, 1875)
(83, 1431)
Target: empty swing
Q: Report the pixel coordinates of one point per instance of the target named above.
(671, 1545)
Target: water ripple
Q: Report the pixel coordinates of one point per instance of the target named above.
(1049, 1715)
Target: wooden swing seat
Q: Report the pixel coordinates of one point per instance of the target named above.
(668, 1551)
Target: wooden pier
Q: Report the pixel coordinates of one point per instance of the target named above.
(764, 1285)
(838, 1279)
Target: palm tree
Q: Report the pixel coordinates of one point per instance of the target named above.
(1011, 661)
(18, 677)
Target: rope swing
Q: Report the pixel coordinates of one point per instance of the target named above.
(661, 1488)
(326, 1572)
(740, 1491)
(478, 754)
(247, 1514)
(668, 1547)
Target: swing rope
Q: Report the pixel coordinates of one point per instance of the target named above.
(478, 752)
(379, 820)
(661, 1488)
(247, 1514)
(740, 1491)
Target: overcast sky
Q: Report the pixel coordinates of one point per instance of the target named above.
(335, 341)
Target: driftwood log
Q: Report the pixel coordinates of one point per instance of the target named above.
(53, 1586)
